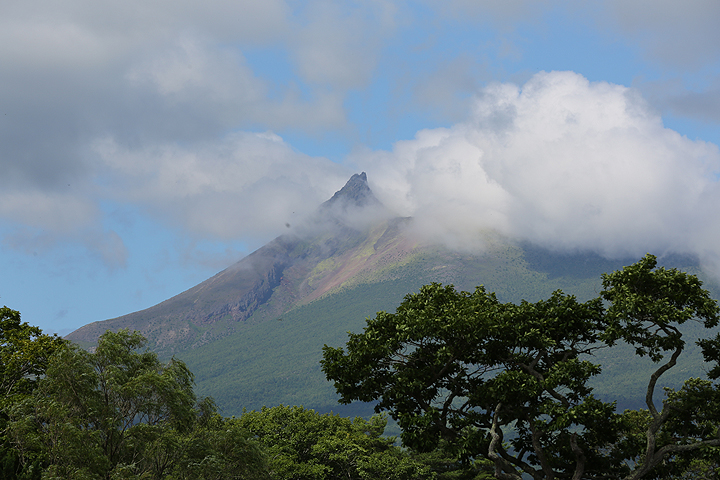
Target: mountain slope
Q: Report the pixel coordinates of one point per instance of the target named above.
(350, 236)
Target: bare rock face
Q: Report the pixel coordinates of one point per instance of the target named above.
(355, 193)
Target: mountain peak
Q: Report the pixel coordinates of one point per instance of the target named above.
(355, 193)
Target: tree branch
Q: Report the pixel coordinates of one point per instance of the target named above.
(503, 470)
(546, 468)
(580, 458)
(655, 377)
(651, 462)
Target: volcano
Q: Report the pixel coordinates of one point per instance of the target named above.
(253, 333)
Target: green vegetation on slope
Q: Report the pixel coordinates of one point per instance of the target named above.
(510, 383)
(119, 412)
(271, 360)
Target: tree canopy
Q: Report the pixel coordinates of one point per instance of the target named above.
(24, 356)
(509, 383)
(119, 412)
(305, 445)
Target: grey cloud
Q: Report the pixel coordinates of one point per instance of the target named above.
(106, 246)
(501, 12)
(672, 96)
(60, 212)
(150, 72)
(704, 105)
(136, 22)
(247, 184)
(677, 34)
(338, 47)
(446, 89)
(151, 76)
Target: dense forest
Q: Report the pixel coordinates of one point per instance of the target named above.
(479, 389)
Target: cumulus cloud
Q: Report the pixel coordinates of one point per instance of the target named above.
(561, 161)
(145, 103)
(680, 40)
(248, 184)
(92, 90)
(154, 72)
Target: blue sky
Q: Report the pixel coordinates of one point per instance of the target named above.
(146, 145)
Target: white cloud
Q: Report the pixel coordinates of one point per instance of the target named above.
(561, 161)
(248, 184)
(151, 76)
(156, 71)
(133, 101)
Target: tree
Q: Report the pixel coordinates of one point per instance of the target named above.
(647, 304)
(305, 445)
(24, 355)
(119, 412)
(509, 383)
(216, 448)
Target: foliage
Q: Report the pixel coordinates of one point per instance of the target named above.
(216, 449)
(447, 466)
(280, 358)
(24, 353)
(305, 445)
(121, 413)
(646, 306)
(509, 383)
(24, 356)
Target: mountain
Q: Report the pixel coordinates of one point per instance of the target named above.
(253, 333)
(294, 269)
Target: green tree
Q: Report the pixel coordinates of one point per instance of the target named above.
(305, 445)
(509, 383)
(216, 448)
(24, 356)
(118, 412)
(646, 307)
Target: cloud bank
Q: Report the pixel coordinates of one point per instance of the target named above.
(563, 162)
(560, 161)
(249, 185)
(161, 106)
(147, 103)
